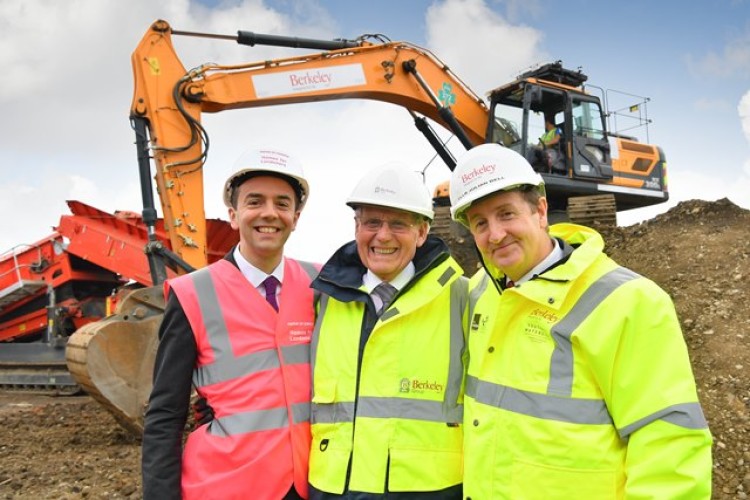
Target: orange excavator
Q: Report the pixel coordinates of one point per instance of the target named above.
(113, 358)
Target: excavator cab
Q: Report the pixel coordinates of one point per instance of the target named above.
(552, 91)
(588, 160)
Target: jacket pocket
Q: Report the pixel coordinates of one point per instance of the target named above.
(424, 470)
(331, 439)
(324, 390)
(545, 482)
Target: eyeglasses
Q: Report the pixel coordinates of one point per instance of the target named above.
(397, 226)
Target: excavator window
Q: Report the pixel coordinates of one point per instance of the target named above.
(587, 119)
(505, 132)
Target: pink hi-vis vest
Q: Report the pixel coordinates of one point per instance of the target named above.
(253, 368)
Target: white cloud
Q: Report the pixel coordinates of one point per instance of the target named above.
(741, 189)
(68, 88)
(711, 104)
(479, 45)
(733, 59)
(31, 211)
(743, 109)
(691, 185)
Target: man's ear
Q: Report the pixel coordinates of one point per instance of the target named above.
(422, 231)
(541, 210)
(233, 218)
(295, 219)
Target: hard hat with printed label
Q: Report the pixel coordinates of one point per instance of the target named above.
(485, 169)
(393, 185)
(273, 162)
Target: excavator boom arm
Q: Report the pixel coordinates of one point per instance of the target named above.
(171, 99)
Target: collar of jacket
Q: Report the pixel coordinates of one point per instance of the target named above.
(341, 276)
(571, 237)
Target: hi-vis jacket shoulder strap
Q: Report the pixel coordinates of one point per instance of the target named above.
(312, 271)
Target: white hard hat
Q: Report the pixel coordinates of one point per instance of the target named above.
(393, 186)
(274, 162)
(485, 169)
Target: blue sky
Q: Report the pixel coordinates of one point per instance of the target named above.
(68, 84)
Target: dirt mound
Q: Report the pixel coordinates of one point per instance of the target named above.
(64, 448)
(698, 252)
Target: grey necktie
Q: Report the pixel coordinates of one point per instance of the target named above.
(386, 292)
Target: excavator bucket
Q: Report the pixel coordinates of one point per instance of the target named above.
(113, 359)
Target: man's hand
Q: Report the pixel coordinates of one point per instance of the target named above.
(202, 411)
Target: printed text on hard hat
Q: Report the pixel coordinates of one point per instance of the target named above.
(477, 178)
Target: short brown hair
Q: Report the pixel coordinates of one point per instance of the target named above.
(238, 181)
(531, 194)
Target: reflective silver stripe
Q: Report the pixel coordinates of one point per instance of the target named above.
(544, 406)
(296, 354)
(309, 268)
(216, 330)
(230, 368)
(250, 421)
(393, 311)
(459, 299)
(332, 413)
(476, 293)
(258, 420)
(407, 408)
(240, 366)
(300, 413)
(315, 341)
(561, 363)
(443, 279)
(312, 271)
(688, 415)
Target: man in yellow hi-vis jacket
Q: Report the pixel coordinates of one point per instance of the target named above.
(579, 383)
(388, 353)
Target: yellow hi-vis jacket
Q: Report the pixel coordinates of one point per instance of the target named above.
(579, 386)
(387, 408)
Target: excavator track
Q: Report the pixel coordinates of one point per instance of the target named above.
(48, 380)
(595, 210)
(42, 390)
(113, 359)
(36, 368)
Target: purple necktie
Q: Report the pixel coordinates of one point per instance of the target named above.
(270, 286)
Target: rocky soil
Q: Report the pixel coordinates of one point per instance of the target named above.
(699, 253)
(70, 448)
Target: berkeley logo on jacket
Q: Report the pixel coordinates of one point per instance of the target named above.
(253, 369)
(569, 393)
(387, 392)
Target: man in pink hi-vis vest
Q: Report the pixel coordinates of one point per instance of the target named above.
(239, 332)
